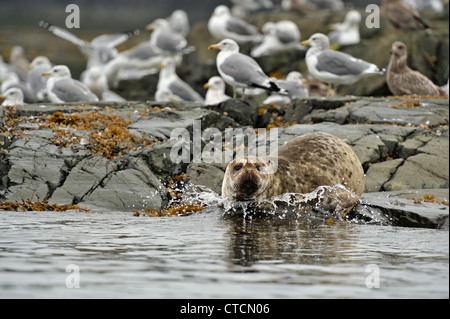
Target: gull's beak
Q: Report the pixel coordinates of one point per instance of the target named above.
(213, 46)
(304, 81)
(305, 43)
(2, 97)
(206, 85)
(45, 73)
(149, 27)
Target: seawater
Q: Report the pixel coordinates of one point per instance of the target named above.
(210, 255)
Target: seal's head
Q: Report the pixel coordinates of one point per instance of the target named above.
(246, 179)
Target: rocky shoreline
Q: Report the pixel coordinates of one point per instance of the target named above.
(116, 156)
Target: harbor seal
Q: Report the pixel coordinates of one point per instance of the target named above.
(300, 166)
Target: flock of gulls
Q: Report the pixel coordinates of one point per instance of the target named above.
(39, 80)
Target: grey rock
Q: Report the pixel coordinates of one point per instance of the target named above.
(401, 209)
(134, 188)
(205, 175)
(420, 171)
(379, 173)
(400, 148)
(243, 112)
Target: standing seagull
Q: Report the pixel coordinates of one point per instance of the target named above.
(223, 25)
(36, 82)
(280, 36)
(179, 22)
(334, 67)
(294, 85)
(165, 39)
(62, 88)
(347, 32)
(240, 70)
(403, 16)
(169, 82)
(401, 80)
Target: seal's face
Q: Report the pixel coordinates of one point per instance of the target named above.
(246, 179)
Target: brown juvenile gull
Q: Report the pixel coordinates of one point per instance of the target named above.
(240, 70)
(402, 16)
(401, 80)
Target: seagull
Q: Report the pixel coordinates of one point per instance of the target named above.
(62, 88)
(36, 82)
(169, 80)
(223, 25)
(347, 32)
(179, 22)
(240, 70)
(12, 96)
(402, 16)
(165, 95)
(334, 67)
(308, 5)
(280, 36)
(19, 61)
(401, 80)
(95, 79)
(167, 40)
(242, 8)
(216, 91)
(98, 51)
(294, 85)
(135, 63)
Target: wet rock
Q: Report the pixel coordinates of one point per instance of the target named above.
(406, 208)
(205, 175)
(408, 149)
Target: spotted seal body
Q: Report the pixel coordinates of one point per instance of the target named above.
(300, 166)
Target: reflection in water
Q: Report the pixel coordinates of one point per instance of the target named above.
(289, 241)
(208, 255)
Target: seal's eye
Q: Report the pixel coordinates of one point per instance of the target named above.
(237, 167)
(259, 168)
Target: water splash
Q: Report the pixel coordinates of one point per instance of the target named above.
(310, 206)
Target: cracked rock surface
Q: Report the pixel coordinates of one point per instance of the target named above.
(402, 143)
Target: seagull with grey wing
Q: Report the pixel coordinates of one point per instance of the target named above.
(280, 36)
(13, 96)
(99, 50)
(334, 67)
(62, 88)
(170, 83)
(167, 40)
(223, 25)
(240, 70)
(36, 82)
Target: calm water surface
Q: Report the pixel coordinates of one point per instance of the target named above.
(119, 255)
